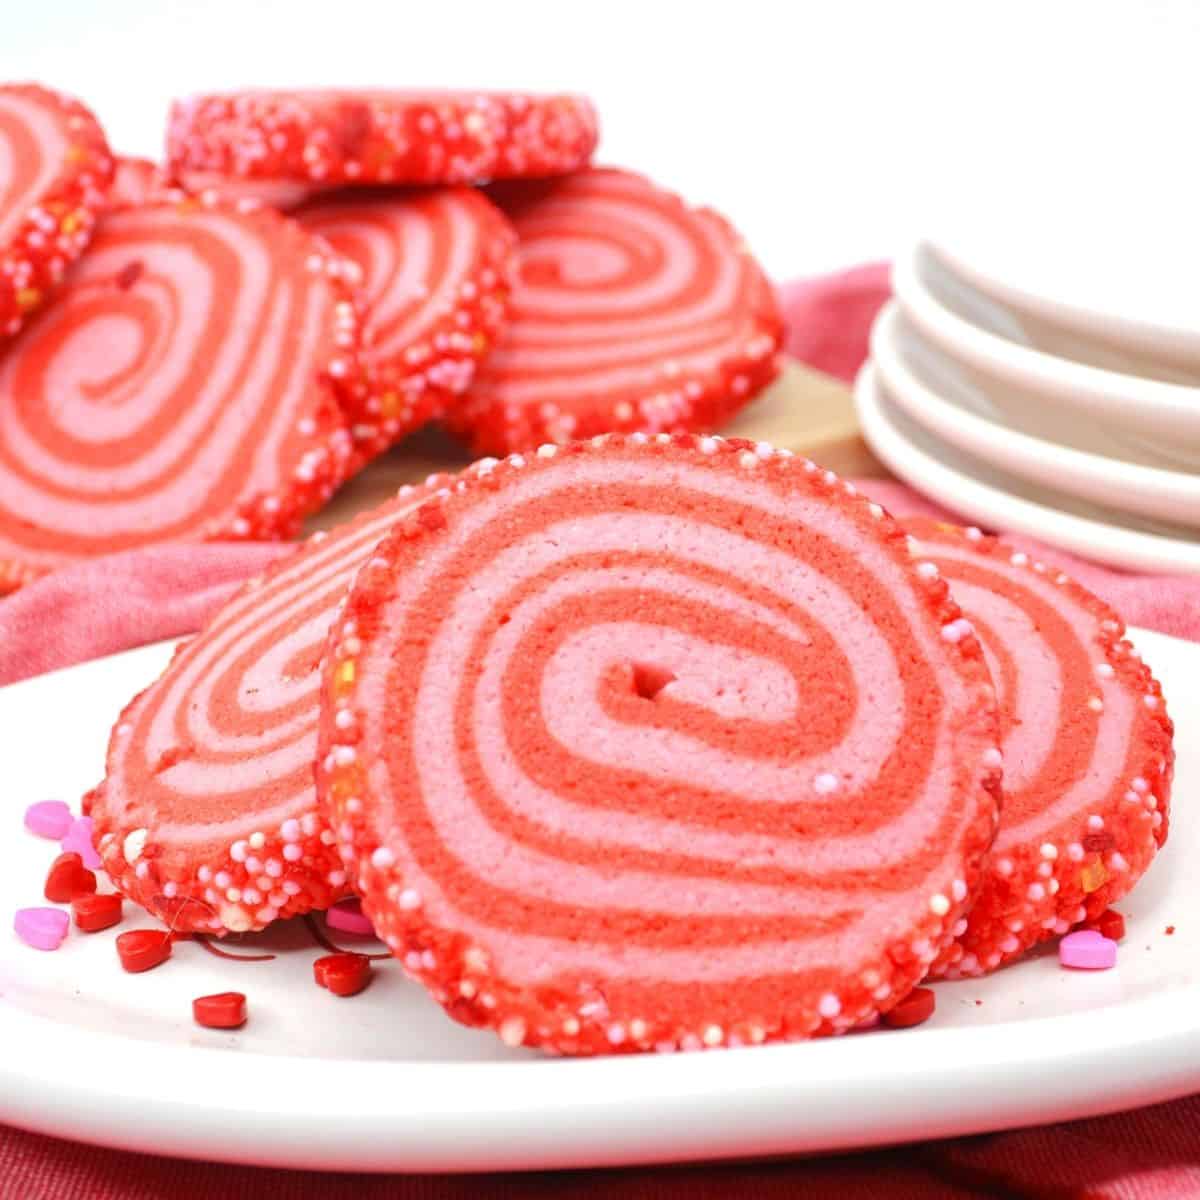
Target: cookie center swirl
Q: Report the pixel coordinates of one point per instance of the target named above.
(745, 804)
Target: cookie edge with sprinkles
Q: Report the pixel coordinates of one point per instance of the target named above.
(387, 400)
(56, 231)
(307, 136)
(1054, 892)
(135, 876)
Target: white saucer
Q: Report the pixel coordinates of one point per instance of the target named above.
(944, 399)
(1131, 284)
(980, 334)
(997, 501)
(385, 1081)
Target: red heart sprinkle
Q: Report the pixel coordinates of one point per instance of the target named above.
(93, 912)
(225, 1010)
(68, 878)
(1109, 924)
(916, 1007)
(141, 949)
(343, 974)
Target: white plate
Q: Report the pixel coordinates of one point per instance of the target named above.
(998, 501)
(1112, 285)
(384, 1081)
(951, 404)
(980, 334)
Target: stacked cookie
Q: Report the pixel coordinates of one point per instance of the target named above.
(649, 742)
(184, 361)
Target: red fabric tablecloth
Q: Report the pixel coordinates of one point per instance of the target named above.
(1152, 1154)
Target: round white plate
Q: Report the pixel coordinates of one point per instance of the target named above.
(978, 333)
(998, 501)
(947, 401)
(385, 1081)
(1122, 278)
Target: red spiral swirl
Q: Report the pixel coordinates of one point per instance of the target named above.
(631, 311)
(654, 742)
(182, 387)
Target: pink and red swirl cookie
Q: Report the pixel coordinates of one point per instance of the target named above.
(657, 743)
(332, 137)
(631, 312)
(1086, 740)
(207, 816)
(55, 168)
(437, 268)
(182, 386)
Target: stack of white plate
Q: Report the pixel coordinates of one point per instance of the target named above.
(1032, 396)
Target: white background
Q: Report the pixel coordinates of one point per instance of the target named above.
(828, 131)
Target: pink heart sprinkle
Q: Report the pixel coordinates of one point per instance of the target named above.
(41, 928)
(347, 916)
(1087, 950)
(49, 819)
(79, 839)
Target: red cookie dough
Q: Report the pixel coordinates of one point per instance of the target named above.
(657, 743)
(207, 816)
(1086, 740)
(55, 168)
(183, 386)
(381, 136)
(437, 267)
(632, 311)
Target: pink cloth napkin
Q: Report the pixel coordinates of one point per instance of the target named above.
(829, 317)
(97, 608)
(109, 604)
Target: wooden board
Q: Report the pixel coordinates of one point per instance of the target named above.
(803, 411)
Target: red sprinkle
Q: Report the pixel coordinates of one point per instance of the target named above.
(95, 912)
(343, 974)
(1109, 924)
(142, 949)
(224, 1010)
(914, 1009)
(1170, 929)
(68, 878)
